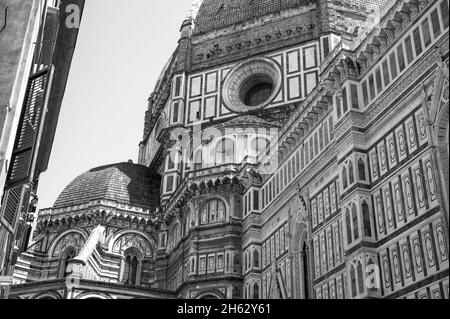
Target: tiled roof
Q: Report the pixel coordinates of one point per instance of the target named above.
(215, 14)
(125, 183)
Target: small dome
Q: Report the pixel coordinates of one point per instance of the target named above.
(124, 183)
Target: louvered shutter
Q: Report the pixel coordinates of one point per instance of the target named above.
(29, 125)
(11, 204)
(19, 173)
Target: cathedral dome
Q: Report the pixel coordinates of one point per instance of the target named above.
(123, 183)
(216, 14)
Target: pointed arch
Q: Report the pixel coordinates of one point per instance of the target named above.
(255, 291)
(56, 247)
(135, 238)
(69, 254)
(131, 266)
(301, 264)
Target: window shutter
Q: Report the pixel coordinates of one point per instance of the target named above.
(28, 129)
(19, 173)
(11, 205)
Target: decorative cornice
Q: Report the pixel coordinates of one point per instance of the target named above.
(99, 211)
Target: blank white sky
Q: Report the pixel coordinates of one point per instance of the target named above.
(121, 50)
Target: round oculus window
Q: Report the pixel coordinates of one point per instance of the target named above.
(251, 85)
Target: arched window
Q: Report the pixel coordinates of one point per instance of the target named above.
(130, 268)
(350, 172)
(360, 278)
(366, 220)
(361, 169)
(355, 221)
(349, 226)
(255, 291)
(248, 259)
(198, 160)
(344, 178)
(256, 258)
(212, 212)
(225, 152)
(353, 281)
(69, 254)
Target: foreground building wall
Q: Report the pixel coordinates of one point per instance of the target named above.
(37, 44)
(299, 149)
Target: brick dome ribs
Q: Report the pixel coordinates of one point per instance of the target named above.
(124, 183)
(214, 14)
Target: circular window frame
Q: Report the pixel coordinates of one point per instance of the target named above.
(241, 75)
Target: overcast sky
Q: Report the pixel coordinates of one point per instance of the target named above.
(121, 50)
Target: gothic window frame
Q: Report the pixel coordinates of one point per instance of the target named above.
(69, 254)
(131, 255)
(367, 218)
(205, 211)
(255, 290)
(256, 259)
